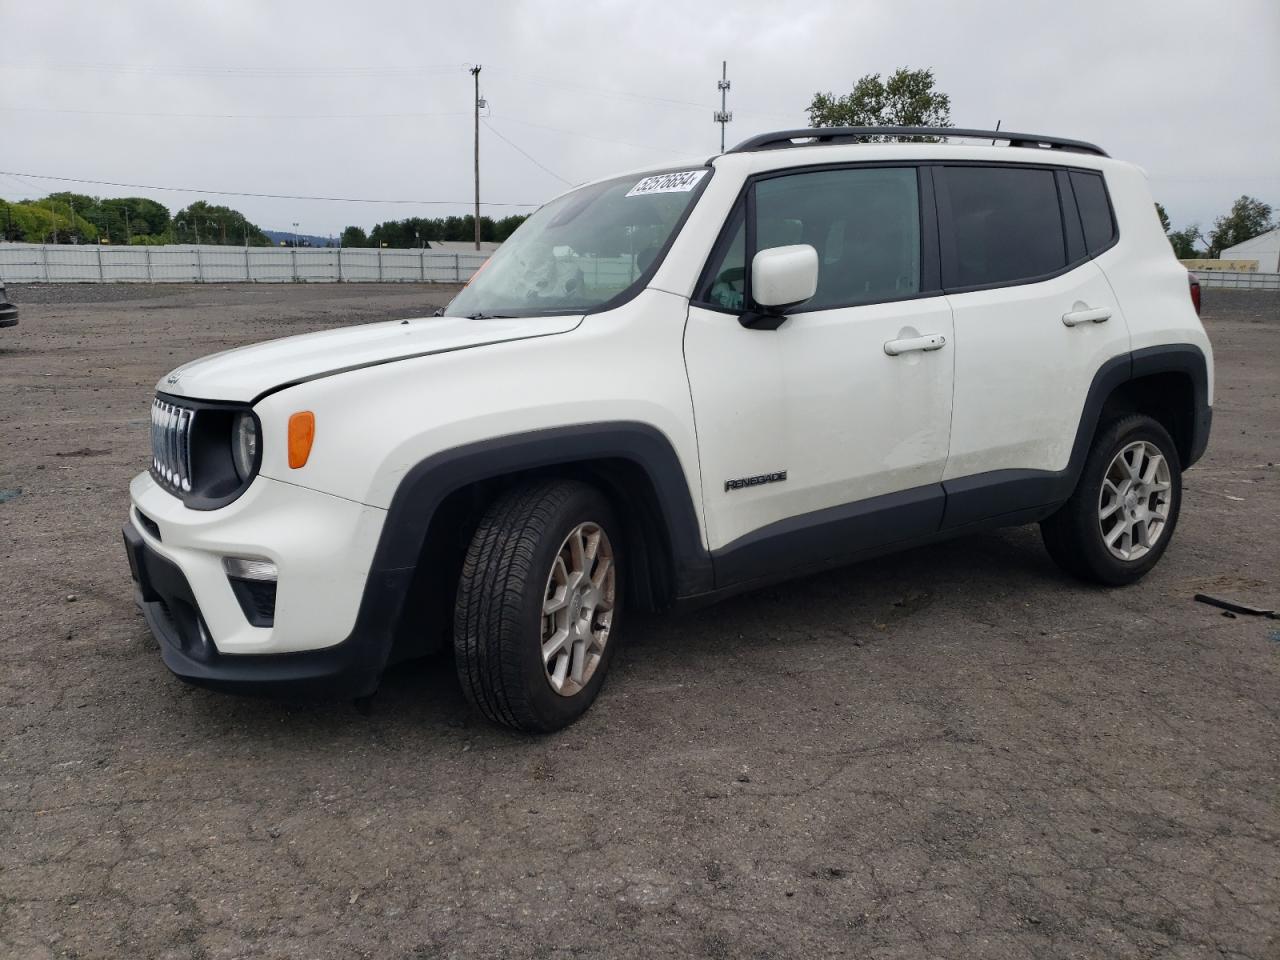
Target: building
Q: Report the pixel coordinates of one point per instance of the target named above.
(1265, 248)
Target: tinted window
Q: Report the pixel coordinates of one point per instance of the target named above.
(729, 280)
(1007, 224)
(864, 223)
(1095, 210)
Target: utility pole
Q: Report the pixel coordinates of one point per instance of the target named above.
(723, 116)
(475, 73)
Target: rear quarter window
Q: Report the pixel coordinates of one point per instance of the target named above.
(1094, 205)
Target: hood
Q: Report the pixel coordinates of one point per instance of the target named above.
(246, 373)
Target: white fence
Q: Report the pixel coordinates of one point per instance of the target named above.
(1238, 279)
(88, 263)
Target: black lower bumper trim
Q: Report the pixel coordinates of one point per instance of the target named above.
(351, 668)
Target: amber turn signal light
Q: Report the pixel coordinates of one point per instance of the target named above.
(302, 432)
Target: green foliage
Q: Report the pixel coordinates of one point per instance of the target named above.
(1164, 217)
(415, 231)
(1247, 219)
(133, 219)
(1184, 242)
(906, 99)
(355, 237)
(65, 217)
(507, 225)
(210, 223)
(45, 221)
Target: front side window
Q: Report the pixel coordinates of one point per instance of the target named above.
(584, 249)
(1006, 224)
(864, 223)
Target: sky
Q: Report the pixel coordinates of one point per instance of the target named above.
(373, 100)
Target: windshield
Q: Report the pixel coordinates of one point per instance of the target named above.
(584, 249)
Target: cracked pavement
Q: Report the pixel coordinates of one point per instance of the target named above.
(950, 752)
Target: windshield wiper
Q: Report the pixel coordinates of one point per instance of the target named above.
(489, 316)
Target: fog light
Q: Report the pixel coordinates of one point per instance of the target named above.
(243, 568)
(254, 584)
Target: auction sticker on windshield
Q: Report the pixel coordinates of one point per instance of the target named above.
(680, 182)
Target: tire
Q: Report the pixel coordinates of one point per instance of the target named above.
(1076, 536)
(515, 568)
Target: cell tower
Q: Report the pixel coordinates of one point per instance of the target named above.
(723, 116)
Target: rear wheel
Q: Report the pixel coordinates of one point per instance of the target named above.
(1122, 515)
(538, 604)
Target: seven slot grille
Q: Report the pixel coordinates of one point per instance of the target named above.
(171, 444)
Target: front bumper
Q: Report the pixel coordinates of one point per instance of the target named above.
(322, 641)
(350, 668)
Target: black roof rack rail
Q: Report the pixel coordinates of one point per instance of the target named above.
(823, 135)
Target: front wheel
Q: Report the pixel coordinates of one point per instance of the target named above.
(538, 605)
(1120, 519)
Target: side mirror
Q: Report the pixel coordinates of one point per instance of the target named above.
(781, 277)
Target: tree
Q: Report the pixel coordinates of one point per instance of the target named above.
(133, 219)
(906, 99)
(507, 225)
(354, 237)
(1184, 242)
(1164, 217)
(211, 223)
(1247, 219)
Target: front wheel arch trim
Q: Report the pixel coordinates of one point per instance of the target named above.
(426, 485)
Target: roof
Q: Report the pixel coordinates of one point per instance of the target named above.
(810, 136)
(1263, 241)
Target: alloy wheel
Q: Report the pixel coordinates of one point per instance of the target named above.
(1134, 503)
(577, 608)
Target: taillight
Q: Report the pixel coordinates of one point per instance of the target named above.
(1195, 291)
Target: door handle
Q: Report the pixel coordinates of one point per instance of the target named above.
(932, 341)
(1085, 314)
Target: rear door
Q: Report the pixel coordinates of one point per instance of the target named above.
(815, 441)
(1035, 318)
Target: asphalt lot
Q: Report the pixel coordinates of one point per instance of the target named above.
(953, 752)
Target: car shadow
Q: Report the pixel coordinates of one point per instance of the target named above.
(422, 700)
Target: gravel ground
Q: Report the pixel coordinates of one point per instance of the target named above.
(952, 752)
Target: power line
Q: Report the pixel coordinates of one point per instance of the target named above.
(417, 115)
(268, 196)
(248, 72)
(522, 153)
(242, 116)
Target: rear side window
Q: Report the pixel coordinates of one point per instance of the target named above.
(1006, 225)
(1095, 210)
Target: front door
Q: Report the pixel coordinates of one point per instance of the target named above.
(827, 436)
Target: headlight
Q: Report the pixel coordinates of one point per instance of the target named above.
(244, 445)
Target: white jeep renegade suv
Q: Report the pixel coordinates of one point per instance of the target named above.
(675, 385)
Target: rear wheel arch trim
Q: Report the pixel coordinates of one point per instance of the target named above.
(1114, 374)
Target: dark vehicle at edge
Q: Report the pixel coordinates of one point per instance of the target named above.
(8, 312)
